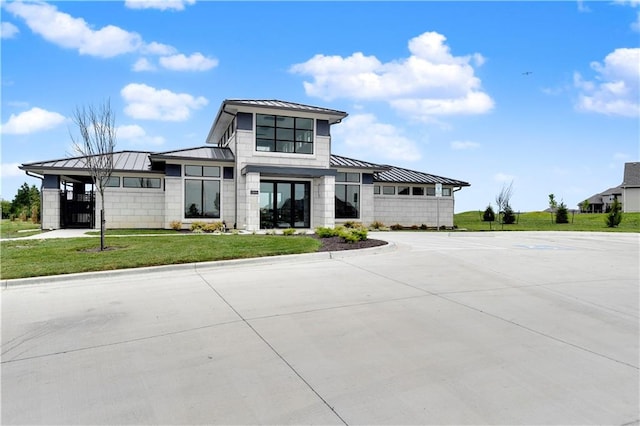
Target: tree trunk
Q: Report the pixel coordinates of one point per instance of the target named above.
(102, 230)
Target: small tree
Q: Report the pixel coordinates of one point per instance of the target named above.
(96, 144)
(562, 214)
(614, 217)
(503, 198)
(553, 205)
(508, 217)
(489, 215)
(584, 206)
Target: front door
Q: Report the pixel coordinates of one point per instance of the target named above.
(285, 204)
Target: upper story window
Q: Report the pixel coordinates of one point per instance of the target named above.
(275, 133)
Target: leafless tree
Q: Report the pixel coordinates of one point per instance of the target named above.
(504, 197)
(95, 144)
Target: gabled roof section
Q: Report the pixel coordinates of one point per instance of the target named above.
(230, 107)
(400, 175)
(198, 153)
(132, 161)
(345, 162)
(631, 175)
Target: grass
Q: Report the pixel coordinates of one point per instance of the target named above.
(33, 258)
(541, 221)
(17, 228)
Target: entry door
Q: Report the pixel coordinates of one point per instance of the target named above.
(285, 205)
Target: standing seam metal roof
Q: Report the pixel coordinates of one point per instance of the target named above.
(200, 153)
(274, 103)
(122, 160)
(340, 161)
(400, 175)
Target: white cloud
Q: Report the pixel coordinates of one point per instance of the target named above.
(363, 133)
(429, 82)
(195, 62)
(8, 30)
(158, 4)
(503, 177)
(10, 170)
(143, 64)
(464, 145)
(69, 32)
(137, 135)
(34, 120)
(148, 103)
(615, 90)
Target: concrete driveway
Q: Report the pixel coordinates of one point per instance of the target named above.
(460, 328)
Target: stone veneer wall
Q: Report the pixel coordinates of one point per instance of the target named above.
(323, 193)
(173, 200)
(133, 208)
(410, 210)
(50, 209)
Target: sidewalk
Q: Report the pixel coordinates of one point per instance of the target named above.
(56, 233)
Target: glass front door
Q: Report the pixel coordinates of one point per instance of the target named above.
(285, 205)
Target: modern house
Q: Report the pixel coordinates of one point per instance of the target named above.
(627, 193)
(267, 164)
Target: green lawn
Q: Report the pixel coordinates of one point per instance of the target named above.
(32, 258)
(18, 228)
(541, 221)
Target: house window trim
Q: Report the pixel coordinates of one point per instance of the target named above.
(192, 177)
(346, 179)
(293, 154)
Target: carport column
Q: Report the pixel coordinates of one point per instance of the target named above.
(50, 214)
(252, 188)
(326, 205)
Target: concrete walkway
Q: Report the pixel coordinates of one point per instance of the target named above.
(461, 328)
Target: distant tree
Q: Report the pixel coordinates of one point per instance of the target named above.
(6, 209)
(96, 143)
(489, 215)
(508, 217)
(503, 198)
(553, 205)
(584, 206)
(562, 214)
(26, 204)
(614, 217)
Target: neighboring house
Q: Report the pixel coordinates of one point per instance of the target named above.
(268, 165)
(627, 193)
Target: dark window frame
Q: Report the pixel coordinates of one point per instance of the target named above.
(284, 134)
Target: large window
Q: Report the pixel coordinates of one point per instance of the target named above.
(202, 196)
(138, 182)
(347, 196)
(276, 133)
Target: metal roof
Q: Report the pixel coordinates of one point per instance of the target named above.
(277, 104)
(230, 107)
(134, 161)
(400, 175)
(340, 161)
(199, 153)
(631, 175)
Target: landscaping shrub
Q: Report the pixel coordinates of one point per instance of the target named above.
(176, 225)
(508, 217)
(213, 227)
(289, 231)
(324, 232)
(377, 225)
(614, 217)
(489, 215)
(198, 226)
(397, 227)
(562, 214)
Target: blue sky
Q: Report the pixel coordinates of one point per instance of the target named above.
(543, 95)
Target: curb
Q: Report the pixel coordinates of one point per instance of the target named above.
(198, 266)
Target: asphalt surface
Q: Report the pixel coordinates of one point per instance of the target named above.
(438, 328)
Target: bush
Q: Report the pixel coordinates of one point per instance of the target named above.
(508, 217)
(562, 214)
(324, 232)
(353, 224)
(377, 225)
(176, 225)
(288, 232)
(424, 227)
(198, 226)
(614, 217)
(213, 227)
(352, 235)
(489, 215)
(397, 227)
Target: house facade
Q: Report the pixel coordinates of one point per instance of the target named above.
(627, 193)
(267, 164)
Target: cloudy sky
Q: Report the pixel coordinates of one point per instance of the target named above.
(543, 95)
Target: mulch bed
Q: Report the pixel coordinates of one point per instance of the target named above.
(338, 244)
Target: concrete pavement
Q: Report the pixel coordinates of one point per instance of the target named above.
(445, 328)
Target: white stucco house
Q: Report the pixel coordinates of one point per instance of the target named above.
(267, 164)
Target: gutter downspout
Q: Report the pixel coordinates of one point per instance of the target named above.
(30, 174)
(235, 170)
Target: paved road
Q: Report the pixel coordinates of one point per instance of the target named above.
(466, 328)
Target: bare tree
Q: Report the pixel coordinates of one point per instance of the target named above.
(504, 197)
(96, 143)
